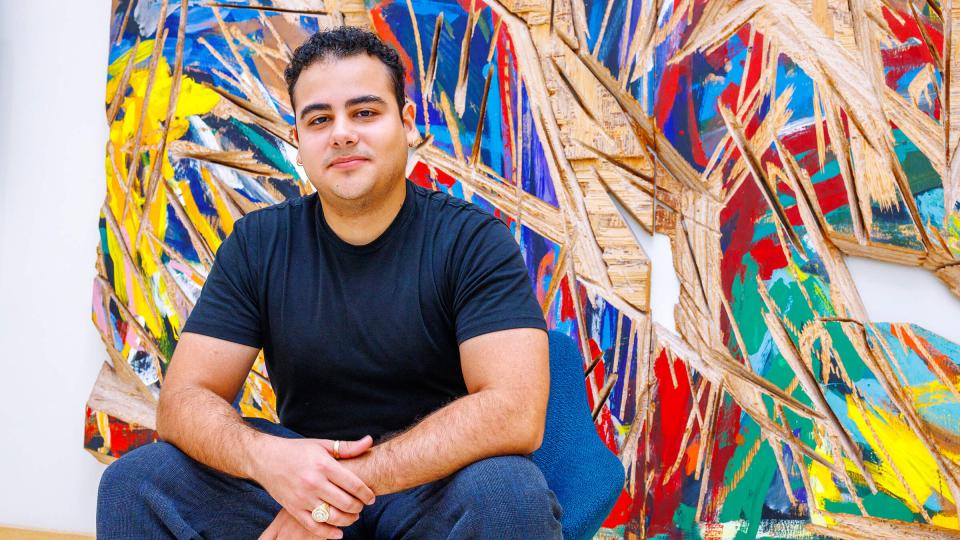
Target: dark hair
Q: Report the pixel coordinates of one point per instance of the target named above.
(342, 42)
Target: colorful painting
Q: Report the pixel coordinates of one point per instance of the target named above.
(767, 139)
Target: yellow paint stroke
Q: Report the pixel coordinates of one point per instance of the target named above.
(157, 213)
(115, 70)
(452, 124)
(128, 288)
(953, 232)
(119, 273)
(103, 426)
(910, 455)
(161, 299)
(115, 192)
(944, 520)
(226, 218)
(931, 394)
(146, 311)
(797, 271)
(147, 258)
(193, 99)
(199, 221)
(257, 390)
(822, 484)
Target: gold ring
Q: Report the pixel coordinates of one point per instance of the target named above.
(321, 513)
(336, 449)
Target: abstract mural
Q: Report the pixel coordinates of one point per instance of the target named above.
(767, 139)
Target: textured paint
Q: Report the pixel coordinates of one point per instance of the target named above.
(776, 407)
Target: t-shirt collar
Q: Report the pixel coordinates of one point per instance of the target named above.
(402, 217)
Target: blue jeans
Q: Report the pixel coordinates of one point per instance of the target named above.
(157, 491)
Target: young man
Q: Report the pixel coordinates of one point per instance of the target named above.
(401, 335)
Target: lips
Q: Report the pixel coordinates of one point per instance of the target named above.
(347, 161)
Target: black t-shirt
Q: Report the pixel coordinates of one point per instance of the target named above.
(364, 339)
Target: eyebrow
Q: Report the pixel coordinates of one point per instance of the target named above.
(369, 98)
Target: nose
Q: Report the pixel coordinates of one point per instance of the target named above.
(343, 133)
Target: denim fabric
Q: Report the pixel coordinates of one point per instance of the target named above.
(157, 491)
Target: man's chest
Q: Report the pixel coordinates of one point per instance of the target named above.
(381, 317)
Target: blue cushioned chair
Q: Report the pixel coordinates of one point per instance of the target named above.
(584, 474)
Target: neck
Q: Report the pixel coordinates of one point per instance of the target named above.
(362, 222)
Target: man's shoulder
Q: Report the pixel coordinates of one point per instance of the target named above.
(449, 210)
(277, 216)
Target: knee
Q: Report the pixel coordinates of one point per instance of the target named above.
(122, 479)
(508, 493)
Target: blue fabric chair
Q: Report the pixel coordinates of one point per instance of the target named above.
(584, 474)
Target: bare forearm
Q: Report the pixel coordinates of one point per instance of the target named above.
(471, 428)
(205, 427)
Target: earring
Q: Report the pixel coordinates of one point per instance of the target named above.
(299, 162)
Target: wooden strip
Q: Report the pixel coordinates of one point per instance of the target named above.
(736, 132)
(144, 107)
(432, 66)
(603, 395)
(460, 93)
(119, 398)
(268, 8)
(840, 277)
(603, 27)
(172, 99)
(16, 533)
(705, 450)
(121, 92)
(789, 353)
(872, 528)
(951, 105)
(475, 151)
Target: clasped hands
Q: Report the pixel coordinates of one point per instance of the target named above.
(301, 474)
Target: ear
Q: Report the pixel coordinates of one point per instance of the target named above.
(409, 117)
(296, 139)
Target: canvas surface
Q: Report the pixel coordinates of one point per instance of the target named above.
(767, 139)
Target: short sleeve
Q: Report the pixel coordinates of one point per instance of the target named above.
(228, 307)
(492, 289)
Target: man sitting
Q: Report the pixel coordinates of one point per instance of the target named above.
(401, 334)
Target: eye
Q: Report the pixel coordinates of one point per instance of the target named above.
(366, 113)
(317, 121)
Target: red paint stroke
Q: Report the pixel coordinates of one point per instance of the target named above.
(831, 192)
(445, 179)
(544, 269)
(755, 68)
(508, 87)
(567, 310)
(726, 439)
(927, 352)
(622, 510)
(124, 436)
(738, 220)
(420, 175)
(608, 434)
(667, 93)
(769, 256)
(673, 406)
(905, 28)
(383, 30)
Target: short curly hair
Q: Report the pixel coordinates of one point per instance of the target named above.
(343, 42)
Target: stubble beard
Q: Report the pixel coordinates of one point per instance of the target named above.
(349, 203)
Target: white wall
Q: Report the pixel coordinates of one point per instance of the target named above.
(53, 58)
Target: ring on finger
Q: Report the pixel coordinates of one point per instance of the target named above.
(336, 449)
(321, 513)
